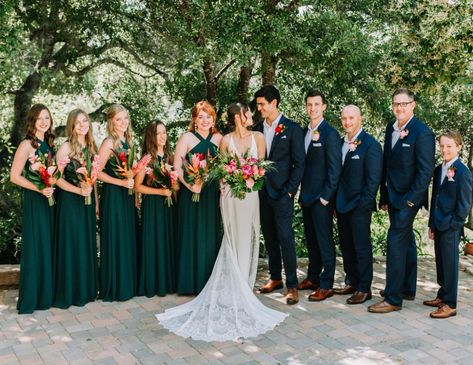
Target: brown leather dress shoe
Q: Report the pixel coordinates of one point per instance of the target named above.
(405, 296)
(444, 311)
(383, 307)
(270, 286)
(307, 284)
(320, 294)
(292, 296)
(433, 302)
(347, 289)
(359, 297)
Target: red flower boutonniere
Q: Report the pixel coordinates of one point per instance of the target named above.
(280, 128)
(353, 145)
(451, 173)
(316, 136)
(404, 133)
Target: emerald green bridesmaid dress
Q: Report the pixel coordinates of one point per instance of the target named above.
(37, 234)
(199, 230)
(118, 251)
(75, 254)
(157, 269)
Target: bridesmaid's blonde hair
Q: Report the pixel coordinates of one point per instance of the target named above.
(76, 148)
(112, 111)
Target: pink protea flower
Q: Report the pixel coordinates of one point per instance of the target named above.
(249, 183)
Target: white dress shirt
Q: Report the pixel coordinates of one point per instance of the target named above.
(346, 144)
(310, 135)
(445, 167)
(397, 131)
(269, 131)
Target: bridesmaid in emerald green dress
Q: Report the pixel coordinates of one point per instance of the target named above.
(198, 230)
(157, 269)
(36, 269)
(118, 269)
(75, 254)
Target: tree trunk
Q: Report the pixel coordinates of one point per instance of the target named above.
(268, 65)
(22, 104)
(243, 84)
(211, 82)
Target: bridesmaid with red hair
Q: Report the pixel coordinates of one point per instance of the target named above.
(198, 229)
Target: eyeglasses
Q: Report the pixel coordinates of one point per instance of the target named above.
(403, 104)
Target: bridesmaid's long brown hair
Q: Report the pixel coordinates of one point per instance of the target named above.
(31, 118)
(150, 144)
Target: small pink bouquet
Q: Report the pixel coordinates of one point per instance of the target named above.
(43, 171)
(196, 170)
(87, 173)
(242, 174)
(162, 175)
(125, 165)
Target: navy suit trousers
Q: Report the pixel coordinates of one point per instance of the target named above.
(446, 261)
(401, 270)
(318, 226)
(276, 224)
(355, 243)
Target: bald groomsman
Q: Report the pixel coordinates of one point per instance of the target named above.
(409, 149)
(362, 160)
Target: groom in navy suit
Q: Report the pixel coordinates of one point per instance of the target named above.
(362, 160)
(409, 149)
(285, 147)
(323, 165)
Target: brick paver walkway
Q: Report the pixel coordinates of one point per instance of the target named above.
(329, 332)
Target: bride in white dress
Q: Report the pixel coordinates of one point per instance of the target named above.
(227, 309)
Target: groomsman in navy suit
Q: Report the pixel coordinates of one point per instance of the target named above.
(362, 160)
(323, 166)
(409, 162)
(451, 202)
(285, 147)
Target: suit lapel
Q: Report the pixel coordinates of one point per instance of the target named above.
(277, 137)
(320, 130)
(352, 153)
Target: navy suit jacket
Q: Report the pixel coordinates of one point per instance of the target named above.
(287, 153)
(361, 175)
(323, 166)
(451, 200)
(408, 167)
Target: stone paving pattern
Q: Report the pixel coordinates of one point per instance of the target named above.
(330, 332)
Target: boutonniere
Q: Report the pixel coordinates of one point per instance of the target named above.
(280, 128)
(404, 133)
(353, 145)
(451, 173)
(316, 136)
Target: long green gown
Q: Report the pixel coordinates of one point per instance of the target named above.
(118, 220)
(157, 273)
(37, 233)
(199, 231)
(75, 256)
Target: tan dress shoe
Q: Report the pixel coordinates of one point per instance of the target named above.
(383, 307)
(433, 302)
(320, 294)
(359, 297)
(405, 296)
(270, 286)
(307, 284)
(347, 289)
(292, 296)
(444, 311)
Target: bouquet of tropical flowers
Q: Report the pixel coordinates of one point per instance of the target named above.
(87, 172)
(241, 174)
(162, 175)
(125, 165)
(196, 170)
(43, 171)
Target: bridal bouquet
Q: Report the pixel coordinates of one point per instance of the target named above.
(242, 174)
(125, 165)
(87, 172)
(162, 175)
(196, 170)
(43, 171)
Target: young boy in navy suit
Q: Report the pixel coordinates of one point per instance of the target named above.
(451, 202)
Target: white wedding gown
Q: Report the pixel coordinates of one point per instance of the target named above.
(227, 309)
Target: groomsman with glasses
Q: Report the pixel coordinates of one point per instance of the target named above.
(362, 160)
(409, 149)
